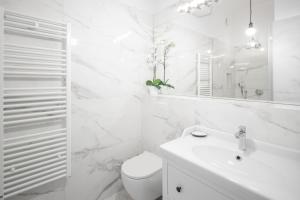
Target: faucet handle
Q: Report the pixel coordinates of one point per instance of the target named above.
(241, 131)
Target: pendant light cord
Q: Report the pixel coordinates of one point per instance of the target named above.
(250, 11)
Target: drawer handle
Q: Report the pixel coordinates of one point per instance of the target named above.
(178, 189)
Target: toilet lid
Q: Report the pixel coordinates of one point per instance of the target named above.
(142, 166)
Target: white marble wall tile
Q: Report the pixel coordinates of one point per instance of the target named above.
(108, 75)
(286, 79)
(165, 118)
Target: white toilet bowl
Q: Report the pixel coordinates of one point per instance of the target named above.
(142, 176)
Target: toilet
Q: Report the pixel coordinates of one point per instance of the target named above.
(142, 176)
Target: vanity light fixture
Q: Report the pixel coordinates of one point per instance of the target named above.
(252, 43)
(250, 31)
(196, 4)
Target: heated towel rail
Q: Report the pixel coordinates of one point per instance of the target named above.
(35, 102)
(204, 75)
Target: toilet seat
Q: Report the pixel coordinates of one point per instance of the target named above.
(142, 166)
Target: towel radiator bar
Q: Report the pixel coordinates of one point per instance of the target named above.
(35, 102)
(204, 75)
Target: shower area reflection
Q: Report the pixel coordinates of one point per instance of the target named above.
(241, 73)
(213, 56)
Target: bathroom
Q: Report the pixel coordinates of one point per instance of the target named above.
(139, 82)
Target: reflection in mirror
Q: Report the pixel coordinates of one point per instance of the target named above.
(225, 49)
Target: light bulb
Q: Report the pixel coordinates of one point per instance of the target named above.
(251, 31)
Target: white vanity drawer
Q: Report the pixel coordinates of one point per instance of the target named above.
(183, 187)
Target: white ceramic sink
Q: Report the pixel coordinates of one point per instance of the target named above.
(237, 164)
(271, 172)
(217, 156)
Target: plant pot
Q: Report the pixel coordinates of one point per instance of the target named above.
(166, 90)
(153, 91)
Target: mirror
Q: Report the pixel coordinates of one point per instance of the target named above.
(231, 48)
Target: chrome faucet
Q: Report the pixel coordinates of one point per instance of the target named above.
(241, 135)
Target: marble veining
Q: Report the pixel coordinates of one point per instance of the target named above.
(165, 117)
(83, 93)
(111, 118)
(108, 73)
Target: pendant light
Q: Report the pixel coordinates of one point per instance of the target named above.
(250, 31)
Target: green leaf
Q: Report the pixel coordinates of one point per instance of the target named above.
(157, 86)
(169, 85)
(149, 82)
(157, 82)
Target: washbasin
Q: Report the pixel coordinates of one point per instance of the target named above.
(234, 163)
(217, 155)
(266, 170)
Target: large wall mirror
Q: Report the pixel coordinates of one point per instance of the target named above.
(244, 49)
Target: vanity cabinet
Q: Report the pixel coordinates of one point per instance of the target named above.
(180, 186)
(209, 169)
